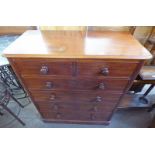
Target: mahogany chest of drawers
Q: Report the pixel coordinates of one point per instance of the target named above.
(75, 78)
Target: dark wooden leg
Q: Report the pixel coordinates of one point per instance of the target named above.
(17, 118)
(142, 98)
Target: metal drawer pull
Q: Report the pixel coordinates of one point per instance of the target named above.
(44, 70)
(95, 108)
(105, 71)
(101, 86)
(52, 97)
(49, 85)
(98, 99)
(55, 107)
(58, 115)
(92, 116)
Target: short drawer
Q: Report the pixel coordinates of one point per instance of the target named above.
(106, 68)
(31, 67)
(100, 84)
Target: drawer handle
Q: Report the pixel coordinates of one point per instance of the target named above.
(92, 116)
(52, 97)
(44, 70)
(98, 99)
(101, 86)
(105, 71)
(55, 107)
(95, 108)
(58, 115)
(49, 85)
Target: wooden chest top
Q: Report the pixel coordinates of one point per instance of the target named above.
(77, 44)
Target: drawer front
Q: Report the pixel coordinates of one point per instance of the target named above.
(95, 107)
(106, 68)
(65, 111)
(44, 67)
(42, 83)
(75, 96)
(77, 116)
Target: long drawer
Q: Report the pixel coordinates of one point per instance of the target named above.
(77, 117)
(105, 106)
(65, 111)
(78, 68)
(75, 96)
(97, 84)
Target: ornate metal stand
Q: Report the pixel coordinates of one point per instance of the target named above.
(9, 78)
(5, 97)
